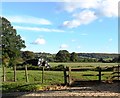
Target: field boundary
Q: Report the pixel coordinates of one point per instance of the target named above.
(68, 79)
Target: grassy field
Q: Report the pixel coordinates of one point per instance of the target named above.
(85, 64)
(51, 77)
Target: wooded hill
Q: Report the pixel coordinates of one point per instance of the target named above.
(85, 55)
(97, 55)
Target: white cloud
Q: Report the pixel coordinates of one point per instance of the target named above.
(71, 24)
(90, 11)
(28, 20)
(38, 29)
(40, 41)
(84, 17)
(71, 5)
(108, 8)
(63, 46)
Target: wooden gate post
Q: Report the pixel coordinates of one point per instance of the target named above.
(99, 74)
(69, 76)
(65, 75)
(118, 72)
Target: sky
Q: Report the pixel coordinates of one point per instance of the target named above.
(89, 26)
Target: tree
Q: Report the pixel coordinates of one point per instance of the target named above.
(26, 55)
(73, 57)
(63, 56)
(116, 59)
(11, 42)
(101, 60)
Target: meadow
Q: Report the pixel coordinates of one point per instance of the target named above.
(51, 77)
(75, 65)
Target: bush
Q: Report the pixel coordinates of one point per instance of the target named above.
(31, 67)
(58, 68)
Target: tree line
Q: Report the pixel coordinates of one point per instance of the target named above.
(65, 56)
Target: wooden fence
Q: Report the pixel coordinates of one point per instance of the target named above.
(116, 72)
(68, 76)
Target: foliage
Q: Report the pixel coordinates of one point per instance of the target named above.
(79, 57)
(97, 55)
(63, 56)
(5, 59)
(11, 42)
(58, 68)
(31, 67)
(26, 55)
(73, 57)
(100, 60)
(116, 59)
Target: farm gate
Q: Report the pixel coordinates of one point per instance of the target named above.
(100, 74)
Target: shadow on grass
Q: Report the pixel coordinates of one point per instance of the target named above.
(76, 86)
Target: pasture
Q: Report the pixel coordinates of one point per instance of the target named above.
(75, 65)
(51, 77)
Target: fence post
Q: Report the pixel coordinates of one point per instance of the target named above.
(118, 72)
(26, 74)
(69, 76)
(14, 73)
(99, 74)
(65, 75)
(42, 74)
(4, 73)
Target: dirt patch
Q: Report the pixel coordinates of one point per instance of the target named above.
(102, 89)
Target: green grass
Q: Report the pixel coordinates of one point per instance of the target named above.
(51, 77)
(85, 64)
(89, 75)
(35, 80)
(36, 75)
(22, 86)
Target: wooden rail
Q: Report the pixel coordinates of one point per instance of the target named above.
(116, 70)
(68, 78)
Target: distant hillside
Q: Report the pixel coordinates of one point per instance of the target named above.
(82, 57)
(97, 55)
(85, 55)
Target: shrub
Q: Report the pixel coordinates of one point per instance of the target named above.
(31, 67)
(58, 68)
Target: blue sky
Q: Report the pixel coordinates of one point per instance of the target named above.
(90, 27)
